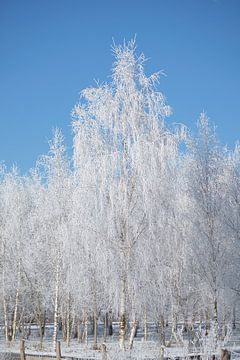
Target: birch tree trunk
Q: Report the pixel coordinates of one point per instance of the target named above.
(133, 333)
(15, 316)
(223, 324)
(95, 315)
(16, 304)
(162, 330)
(41, 322)
(234, 317)
(105, 327)
(5, 318)
(56, 305)
(122, 325)
(68, 319)
(207, 314)
(79, 331)
(5, 308)
(74, 331)
(215, 317)
(192, 324)
(174, 325)
(145, 324)
(86, 328)
(63, 322)
(95, 330)
(110, 326)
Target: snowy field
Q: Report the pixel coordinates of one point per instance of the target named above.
(142, 350)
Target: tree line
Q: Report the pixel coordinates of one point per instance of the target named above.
(141, 223)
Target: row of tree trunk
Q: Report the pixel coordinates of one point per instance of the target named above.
(74, 327)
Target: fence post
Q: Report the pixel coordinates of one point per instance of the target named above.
(162, 352)
(104, 351)
(22, 350)
(58, 350)
(225, 355)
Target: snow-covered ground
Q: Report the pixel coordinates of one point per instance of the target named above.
(143, 350)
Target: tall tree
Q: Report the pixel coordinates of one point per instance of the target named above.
(206, 187)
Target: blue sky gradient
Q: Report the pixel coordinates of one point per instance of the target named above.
(51, 50)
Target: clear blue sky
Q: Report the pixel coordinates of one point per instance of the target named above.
(51, 49)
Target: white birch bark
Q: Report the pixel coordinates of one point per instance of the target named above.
(4, 296)
(68, 319)
(56, 303)
(145, 324)
(16, 303)
(133, 333)
(5, 318)
(122, 325)
(85, 328)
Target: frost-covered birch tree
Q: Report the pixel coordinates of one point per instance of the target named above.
(206, 187)
(121, 121)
